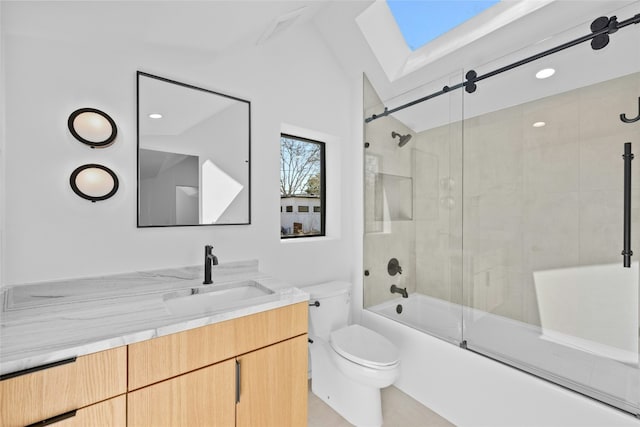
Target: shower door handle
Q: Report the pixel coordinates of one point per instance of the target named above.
(626, 251)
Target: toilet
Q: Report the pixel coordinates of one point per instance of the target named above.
(349, 363)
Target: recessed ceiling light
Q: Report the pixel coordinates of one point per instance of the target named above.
(545, 73)
(155, 115)
(539, 124)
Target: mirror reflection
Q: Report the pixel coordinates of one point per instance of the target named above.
(193, 155)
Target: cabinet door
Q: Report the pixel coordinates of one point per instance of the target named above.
(205, 397)
(273, 385)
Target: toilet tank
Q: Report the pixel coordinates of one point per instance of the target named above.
(333, 311)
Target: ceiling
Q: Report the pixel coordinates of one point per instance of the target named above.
(215, 28)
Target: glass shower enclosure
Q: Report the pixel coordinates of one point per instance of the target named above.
(508, 213)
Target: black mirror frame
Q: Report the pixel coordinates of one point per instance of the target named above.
(92, 144)
(249, 178)
(74, 186)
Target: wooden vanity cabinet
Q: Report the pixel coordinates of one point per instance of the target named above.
(205, 397)
(54, 392)
(249, 371)
(273, 385)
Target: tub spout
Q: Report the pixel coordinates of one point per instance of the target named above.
(402, 291)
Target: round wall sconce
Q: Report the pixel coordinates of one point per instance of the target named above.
(94, 182)
(92, 127)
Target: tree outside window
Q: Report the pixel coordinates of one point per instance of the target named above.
(301, 184)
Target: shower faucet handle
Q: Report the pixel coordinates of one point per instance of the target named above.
(393, 267)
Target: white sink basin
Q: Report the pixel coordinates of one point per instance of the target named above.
(216, 298)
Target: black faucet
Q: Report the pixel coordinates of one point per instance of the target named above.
(401, 291)
(209, 260)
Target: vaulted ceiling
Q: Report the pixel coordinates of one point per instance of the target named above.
(216, 29)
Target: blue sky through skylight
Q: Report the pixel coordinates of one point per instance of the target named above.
(421, 21)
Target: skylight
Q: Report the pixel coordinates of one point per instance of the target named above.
(422, 21)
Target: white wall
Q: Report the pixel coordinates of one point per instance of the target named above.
(53, 234)
(2, 148)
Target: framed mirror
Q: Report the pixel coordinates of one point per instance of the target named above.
(194, 149)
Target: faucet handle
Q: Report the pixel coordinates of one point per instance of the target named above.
(393, 267)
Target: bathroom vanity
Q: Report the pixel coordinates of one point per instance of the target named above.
(132, 359)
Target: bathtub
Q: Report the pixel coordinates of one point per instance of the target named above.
(427, 314)
(522, 345)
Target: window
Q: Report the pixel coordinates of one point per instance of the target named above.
(423, 21)
(302, 184)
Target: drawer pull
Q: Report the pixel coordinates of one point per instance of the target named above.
(53, 420)
(36, 369)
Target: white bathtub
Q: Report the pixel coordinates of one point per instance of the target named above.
(427, 314)
(521, 345)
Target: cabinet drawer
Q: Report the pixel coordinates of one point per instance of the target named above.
(110, 413)
(39, 395)
(205, 397)
(165, 357)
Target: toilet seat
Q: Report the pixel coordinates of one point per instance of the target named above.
(364, 347)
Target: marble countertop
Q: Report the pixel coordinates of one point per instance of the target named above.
(47, 322)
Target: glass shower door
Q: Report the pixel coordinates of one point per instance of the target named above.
(545, 288)
(413, 209)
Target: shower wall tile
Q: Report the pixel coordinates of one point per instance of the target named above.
(425, 186)
(433, 266)
(502, 211)
(513, 301)
(438, 210)
(600, 226)
(552, 168)
(601, 164)
(551, 234)
(493, 153)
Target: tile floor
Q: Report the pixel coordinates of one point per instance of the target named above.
(398, 410)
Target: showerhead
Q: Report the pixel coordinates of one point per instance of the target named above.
(403, 138)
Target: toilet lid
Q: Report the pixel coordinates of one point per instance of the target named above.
(364, 346)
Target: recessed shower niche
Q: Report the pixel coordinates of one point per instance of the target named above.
(393, 198)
